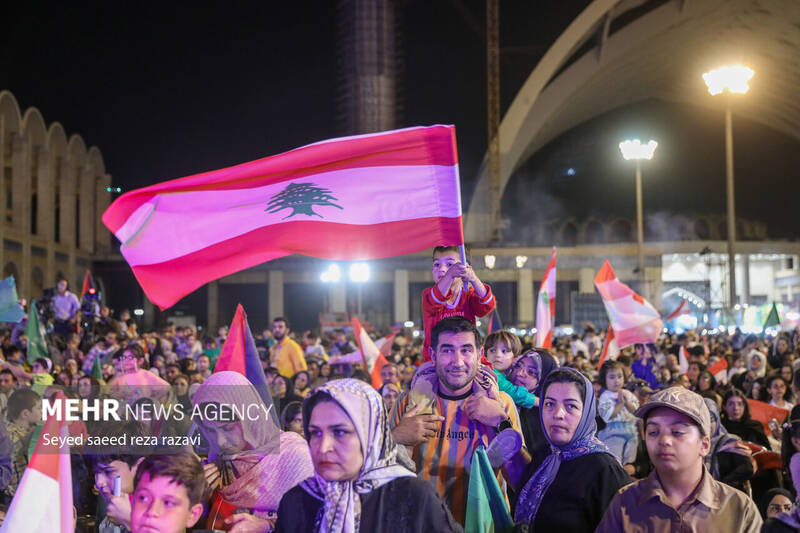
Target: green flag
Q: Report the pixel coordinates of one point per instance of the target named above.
(97, 372)
(37, 347)
(773, 318)
(10, 310)
(487, 510)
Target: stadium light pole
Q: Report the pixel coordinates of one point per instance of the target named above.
(732, 79)
(360, 274)
(634, 149)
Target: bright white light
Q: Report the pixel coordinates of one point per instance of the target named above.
(416, 333)
(634, 149)
(138, 312)
(359, 272)
(521, 260)
(477, 322)
(489, 261)
(737, 307)
(793, 315)
(733, 78)
(332, 275)
(567, 330)
(408, 324)
(533, 331)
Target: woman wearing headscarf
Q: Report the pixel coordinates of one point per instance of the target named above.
(774, 502)
(530, 370)
(253, 463)
(571, 488)
(757, 363)
(727, 460)
(361, 481)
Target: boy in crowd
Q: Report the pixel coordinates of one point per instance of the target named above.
(501, 348)
(112, 462)
(680, 494)
(24, 412)
(167, 494)
(448, 298)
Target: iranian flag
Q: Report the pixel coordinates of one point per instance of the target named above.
(43, 500)
(546, 306)
(633, 318)
(353, 198)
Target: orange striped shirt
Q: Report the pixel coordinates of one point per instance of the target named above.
(441, 459)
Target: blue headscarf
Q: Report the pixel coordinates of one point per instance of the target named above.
(583, 442)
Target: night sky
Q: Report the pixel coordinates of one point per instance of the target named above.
(167, 90)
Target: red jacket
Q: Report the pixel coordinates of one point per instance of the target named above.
(468, 305)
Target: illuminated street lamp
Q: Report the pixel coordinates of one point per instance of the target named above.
(489, 260)
(634, 149)
(732, 79)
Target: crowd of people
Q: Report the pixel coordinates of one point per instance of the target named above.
(655, 438)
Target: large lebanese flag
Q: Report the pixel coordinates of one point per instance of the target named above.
(546, 306)
(633, 318)
(353, 198)
(43, 500)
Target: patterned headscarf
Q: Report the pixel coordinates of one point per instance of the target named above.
(583, 442)
(720, 438)
(274, 462)
(382, 464)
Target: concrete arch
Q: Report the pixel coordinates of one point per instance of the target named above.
(34, 128)
(594, 231)
(660, 53)
(77, 150)
(95, 160)
(9, 111)
(57, 140)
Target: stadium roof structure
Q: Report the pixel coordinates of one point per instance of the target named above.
(617, 53)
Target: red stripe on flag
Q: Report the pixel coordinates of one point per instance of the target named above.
(764, 412)
(232, 355)
(166, 283)
(606, 273)
(434, 145)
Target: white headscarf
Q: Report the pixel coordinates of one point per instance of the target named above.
(382, 464)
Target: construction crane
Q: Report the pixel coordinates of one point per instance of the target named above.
(493, 112)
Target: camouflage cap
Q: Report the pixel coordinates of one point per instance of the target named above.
(682, 400)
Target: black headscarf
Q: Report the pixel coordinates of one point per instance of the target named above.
(767, 497)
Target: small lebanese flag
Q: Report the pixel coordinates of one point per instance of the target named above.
(683, 361)
(239, 354)
(720, 371)
(43, 501)
(371, 353)
(610, 348)
(363, 197)
(633, 318)
(682, 309)
(546, 306)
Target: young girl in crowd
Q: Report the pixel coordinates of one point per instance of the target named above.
(501, 348)
(617, 406)
(776, 392)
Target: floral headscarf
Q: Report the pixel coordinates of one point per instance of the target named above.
(382, 462)
(583, 442)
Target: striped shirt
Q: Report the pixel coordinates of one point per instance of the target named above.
(442, 459)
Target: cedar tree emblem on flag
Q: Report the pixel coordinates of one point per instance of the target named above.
(301, 199)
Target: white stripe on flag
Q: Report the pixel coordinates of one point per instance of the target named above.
(35, 508)
(367, 195)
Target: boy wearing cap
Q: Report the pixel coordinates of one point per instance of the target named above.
(679, 495)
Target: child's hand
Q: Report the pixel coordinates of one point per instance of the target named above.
(118, 509)
(458, 270)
